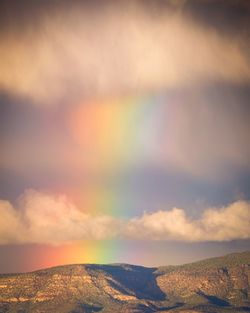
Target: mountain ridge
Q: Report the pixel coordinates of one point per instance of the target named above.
(219, 284)
(245, 253)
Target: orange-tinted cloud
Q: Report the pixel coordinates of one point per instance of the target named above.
(47, 218)
(115, 49)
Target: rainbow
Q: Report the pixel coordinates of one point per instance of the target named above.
(111, 135)
(121, 132)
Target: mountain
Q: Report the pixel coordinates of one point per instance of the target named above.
(213, 285)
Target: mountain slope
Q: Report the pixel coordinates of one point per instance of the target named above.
(213, 285)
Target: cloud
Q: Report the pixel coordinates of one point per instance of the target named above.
(217, 224)
(45, 218)
(114, 49)
(10, 223)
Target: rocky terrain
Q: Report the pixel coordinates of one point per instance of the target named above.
(213, 285)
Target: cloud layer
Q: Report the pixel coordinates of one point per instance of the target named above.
(114, 49)
(45, 218)
(217, 224)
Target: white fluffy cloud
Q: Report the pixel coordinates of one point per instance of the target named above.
(114, 50)
(216, 224)
(45, 218)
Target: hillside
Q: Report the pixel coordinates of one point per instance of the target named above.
(213, 285)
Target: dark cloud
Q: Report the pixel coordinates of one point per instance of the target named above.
(228, 16)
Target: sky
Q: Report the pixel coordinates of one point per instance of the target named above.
(124, 131)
